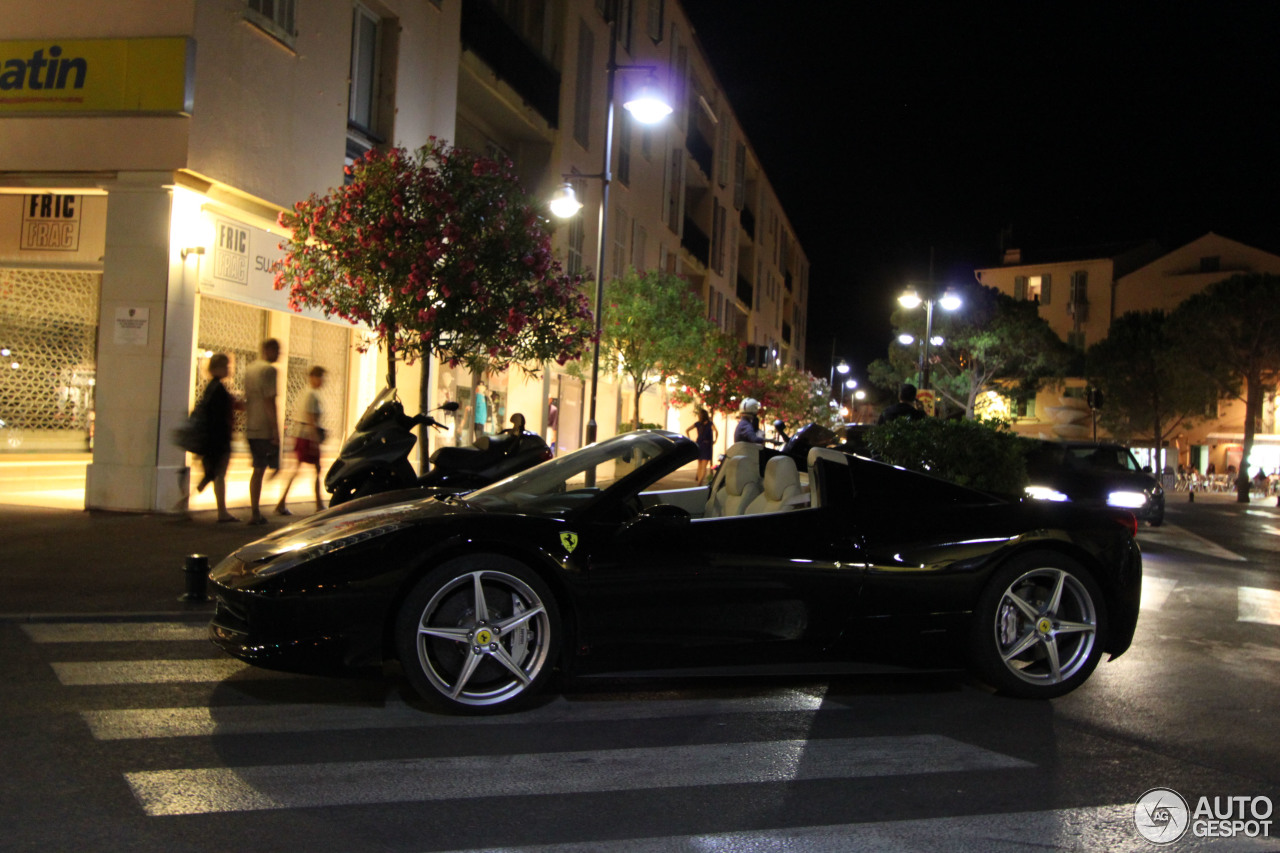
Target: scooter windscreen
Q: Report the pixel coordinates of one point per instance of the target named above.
(378, 409)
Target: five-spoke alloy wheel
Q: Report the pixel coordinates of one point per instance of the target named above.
(479, 633)
(1040, 627)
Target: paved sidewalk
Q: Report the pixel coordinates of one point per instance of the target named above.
(108, 565)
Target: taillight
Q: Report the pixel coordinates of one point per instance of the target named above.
(1127, 520)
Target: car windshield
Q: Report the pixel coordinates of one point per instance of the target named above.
(1105, 458)
(560, 486)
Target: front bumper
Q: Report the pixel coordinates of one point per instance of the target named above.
(297, 631)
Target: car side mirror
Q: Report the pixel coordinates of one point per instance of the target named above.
(665, 512)
(1146, 469)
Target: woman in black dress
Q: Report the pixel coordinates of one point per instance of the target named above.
(706, 437)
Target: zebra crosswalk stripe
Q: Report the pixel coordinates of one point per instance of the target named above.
(212, 790)
(114, 632)
(147, 723)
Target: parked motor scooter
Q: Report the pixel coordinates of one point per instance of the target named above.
(375, 457)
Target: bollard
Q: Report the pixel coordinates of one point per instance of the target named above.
(1191, 497)
(196, 568)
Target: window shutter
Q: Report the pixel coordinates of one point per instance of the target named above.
(1020, 287)
(1045, 281)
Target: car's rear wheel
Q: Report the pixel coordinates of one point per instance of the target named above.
(1040, 627)
(479, 634)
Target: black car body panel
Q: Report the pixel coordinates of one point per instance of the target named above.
(1095, 474)
(882, 565)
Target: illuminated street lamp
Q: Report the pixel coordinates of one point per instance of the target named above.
(842, 368)
(647, 107)
(910, 299)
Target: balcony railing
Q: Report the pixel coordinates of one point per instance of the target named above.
(512, 59)
(699, 149)
(696, 242)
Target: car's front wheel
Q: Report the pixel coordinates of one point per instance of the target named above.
(479, 634)
(1040, 627)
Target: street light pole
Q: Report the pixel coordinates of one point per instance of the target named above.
(611, 71)
(928, 333)
(647, 107)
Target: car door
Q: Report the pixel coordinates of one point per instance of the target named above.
(721, 592)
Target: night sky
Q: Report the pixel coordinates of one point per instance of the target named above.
(891, 127)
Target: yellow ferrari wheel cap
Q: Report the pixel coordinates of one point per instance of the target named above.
(484, 636)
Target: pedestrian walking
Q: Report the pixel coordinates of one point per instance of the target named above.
(309, 434)
(218, 407)
(262, 423)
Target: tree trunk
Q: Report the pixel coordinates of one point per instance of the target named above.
(389, 342)
(424, 388)
(635, 413)
(1252, 405)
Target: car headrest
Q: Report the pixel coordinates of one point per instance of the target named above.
(740, 472)
(780, 474)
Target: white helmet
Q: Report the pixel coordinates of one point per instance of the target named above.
(750, 406)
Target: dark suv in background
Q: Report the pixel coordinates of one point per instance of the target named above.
(1093, 474)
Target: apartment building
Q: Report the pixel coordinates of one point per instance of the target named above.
(147, 148)
(1080, 293)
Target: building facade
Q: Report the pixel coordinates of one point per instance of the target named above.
(1080, 297)
(145, 155)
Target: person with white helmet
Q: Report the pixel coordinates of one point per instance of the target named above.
(748, 428)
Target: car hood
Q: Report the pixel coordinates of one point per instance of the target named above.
(309, 532)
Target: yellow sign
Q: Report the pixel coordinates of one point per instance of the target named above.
(149, 75)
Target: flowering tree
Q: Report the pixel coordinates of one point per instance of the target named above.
(439, 252)
(720, 380)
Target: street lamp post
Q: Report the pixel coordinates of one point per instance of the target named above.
(647, 107)
(911, 299)
(842, 368)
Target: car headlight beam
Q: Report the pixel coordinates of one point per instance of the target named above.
(1044, 493)
(1127, 499)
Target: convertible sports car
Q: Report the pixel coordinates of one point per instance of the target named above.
(579, 565)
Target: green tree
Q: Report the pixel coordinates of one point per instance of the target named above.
(980, 454)
(654, 328)
(439, 252)
(992, 342)
(1148, 390)
(1230, 332)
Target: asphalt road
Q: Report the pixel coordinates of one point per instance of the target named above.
(138, 735)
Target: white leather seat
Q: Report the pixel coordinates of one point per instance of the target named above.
(781, 486)
(715, 501)
(742, 484)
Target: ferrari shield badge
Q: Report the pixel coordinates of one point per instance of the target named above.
(569, 541)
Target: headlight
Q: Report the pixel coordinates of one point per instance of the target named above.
(1127, 500)
(1044, 493)
(306, 552)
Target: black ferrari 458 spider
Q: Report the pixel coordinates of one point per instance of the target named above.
(583, 565)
